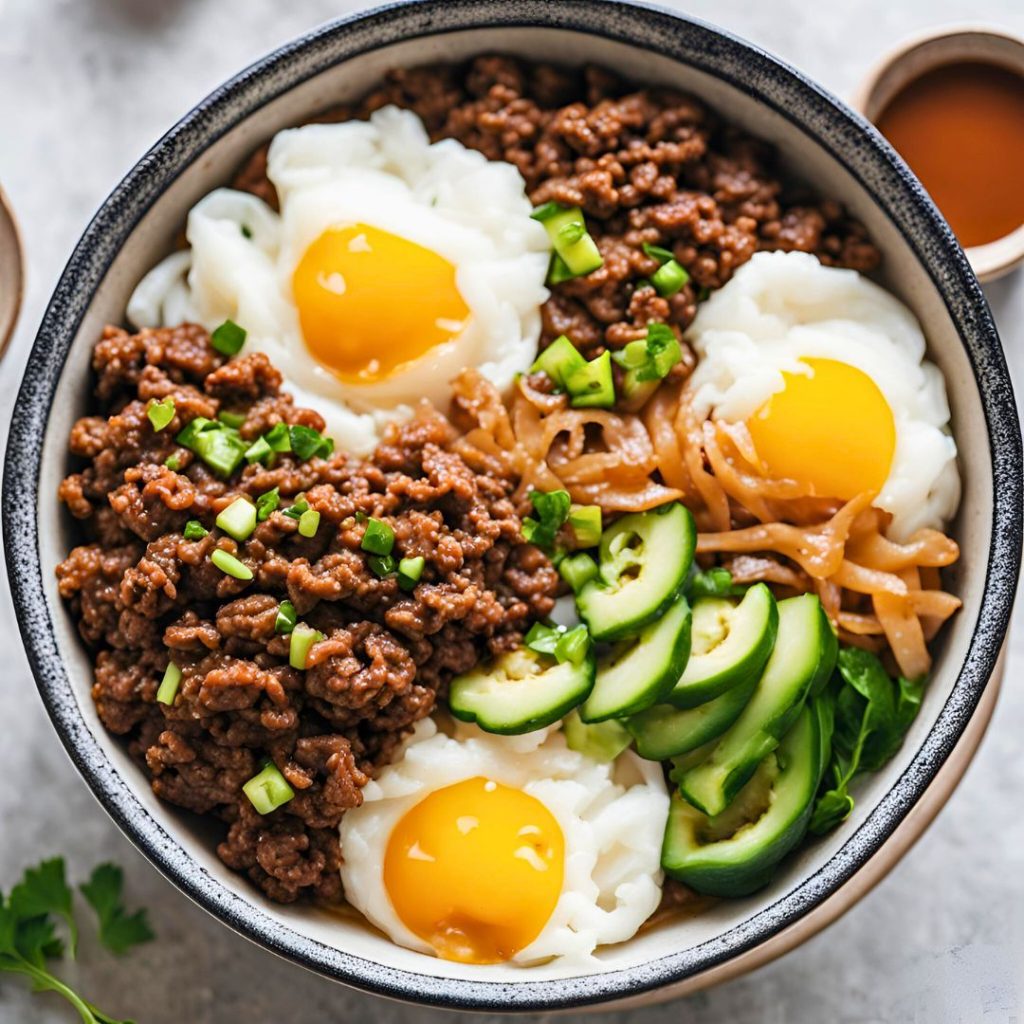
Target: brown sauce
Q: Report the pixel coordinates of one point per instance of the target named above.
(960, 127)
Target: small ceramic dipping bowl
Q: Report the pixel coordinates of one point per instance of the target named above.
(922, 53)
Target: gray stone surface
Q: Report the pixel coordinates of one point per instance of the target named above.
(85, 86)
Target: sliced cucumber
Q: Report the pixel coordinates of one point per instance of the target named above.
(644, 559)
(603, 741)
(520, 691)
(737, 851)
(731, 644)
(638, 673)
(663, 731)
(804, 648)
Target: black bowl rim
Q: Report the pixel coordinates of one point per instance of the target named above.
(832, 125)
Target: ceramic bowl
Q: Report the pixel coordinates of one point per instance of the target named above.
(830, 146)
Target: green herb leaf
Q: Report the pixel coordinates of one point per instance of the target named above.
(42, 891)
(266, 503)
(194, 530)
(160, 413)
(228, 339)
(119, 930)
(307, 442)
(552, 508)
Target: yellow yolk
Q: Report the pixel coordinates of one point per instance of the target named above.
(370, 301)
(832, 431)
(475, 870)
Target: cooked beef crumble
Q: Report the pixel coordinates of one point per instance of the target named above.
(144, 595)
(648, 165)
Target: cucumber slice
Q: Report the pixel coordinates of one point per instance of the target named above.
(731, 644)
(663, 731)
(803, 649)
(520, 691)
(601, 742)
(644, 559)
(736, 852)
(638, 673)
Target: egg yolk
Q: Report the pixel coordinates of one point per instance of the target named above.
(832, 431)
(475, 870)
(370, 301)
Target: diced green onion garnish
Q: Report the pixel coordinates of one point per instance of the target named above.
(309, 522)
(228, 339)
(578, 570)
(161, 413)
(168, 688)
(222, 450)
(592, 385)
(558, 271)
(303, 638)
(194, 530)
(188, 433)
(173, 462)
(382, 565)
(238, 520)
(296, 509)
(669, 279)
(585, 521)
(231, 566)
(567, 230)
(266, 503)
(656, 252)
(632, 356)
(285, 621)
(573, 646)
(543, 638)
(231, 419)
(409, 571)
(546, 210)
(552, 508)
(268, 790)
(307, 442)
(278, 439)
(559, 361)
(379, 538)
(258, 451)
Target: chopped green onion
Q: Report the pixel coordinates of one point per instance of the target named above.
(161, 413)
(303, 638)
(307, 442)
(552, 508)
(558, 271)
(409, 571)
(297, 508)
(190, 432)
(173, 462)
(382, 565)
(228, 339)
(378, 538)
(309, 522)
(231, 419)
(278, 439)
(266, 503)
(168, 688)
(578, 570)
(567, 230)
(285, 621)
(231, 566)
(656, 252)
(661, 351)
(238, 520)
(246, 231)
(669, 279)
(258, 451)
(222, 450)
(592, 385)
(268, 790)
(194, 530)
(543, 638)
(559, 361)
(573, 646)
(631, 357)
(546, 210)
(585, 521)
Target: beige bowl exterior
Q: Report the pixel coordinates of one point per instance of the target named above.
(12, 278)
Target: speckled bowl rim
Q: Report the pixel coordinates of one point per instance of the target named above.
(842, 133)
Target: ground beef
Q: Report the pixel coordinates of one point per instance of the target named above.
(647, 165)
(143, 595)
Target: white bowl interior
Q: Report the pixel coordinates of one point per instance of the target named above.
(902, 273)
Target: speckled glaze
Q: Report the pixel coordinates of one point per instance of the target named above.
(782, 91)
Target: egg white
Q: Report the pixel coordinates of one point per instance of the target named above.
(384, 173)
(782, 308)
(612, 817)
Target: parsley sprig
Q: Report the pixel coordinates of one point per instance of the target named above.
(28, 927)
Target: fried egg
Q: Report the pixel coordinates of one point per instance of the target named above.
(392, 265)
(484, 849)
(827, 370)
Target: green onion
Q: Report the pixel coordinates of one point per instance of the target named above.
(258, 451)
(573, 646)
(190, 432)
(231, 566)
(558, 271)
(285, 621)
(168, 688)
(266, 503)
(543, 638)
(647, 362)
(409, 571)
(382, 565)
(303, 638)
(268, 790)
(567, 231)
(277, 437)
(238, 520)
(559, 361)
(592, 385)
(378, 538)
(656, 252)
(309, 522)
(295, 510)
(578, 570)
(585, 521)
(669, 279)
(173, 462)
(231, 419)
(161, 413)
(633, 356)
(194, 530)
(228, 339)
(552, 508)
(222, 450)
(246, 231)
(307, 443)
